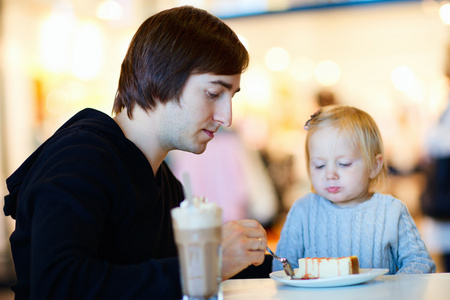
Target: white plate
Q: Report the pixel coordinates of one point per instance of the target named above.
(363, 276)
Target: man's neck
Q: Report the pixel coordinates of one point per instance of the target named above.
(141, 131)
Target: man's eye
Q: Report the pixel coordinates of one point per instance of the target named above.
(212, 95)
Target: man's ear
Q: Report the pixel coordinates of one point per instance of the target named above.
(376, 168)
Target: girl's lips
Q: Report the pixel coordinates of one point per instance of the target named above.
(333, 189)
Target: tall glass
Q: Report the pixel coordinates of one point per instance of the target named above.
(198, 235)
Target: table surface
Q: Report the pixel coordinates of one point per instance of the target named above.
(409, 287)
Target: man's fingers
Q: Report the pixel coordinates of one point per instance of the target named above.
(251, 227)
(244, 243)
(250, 223)
(257, 257)
(258, 244)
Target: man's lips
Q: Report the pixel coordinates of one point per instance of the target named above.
(209, 133)
(333, 189)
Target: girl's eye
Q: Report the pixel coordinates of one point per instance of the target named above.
(319, 167)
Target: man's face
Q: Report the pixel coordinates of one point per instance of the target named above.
(204, 106)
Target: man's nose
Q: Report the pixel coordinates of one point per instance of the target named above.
(223, 113)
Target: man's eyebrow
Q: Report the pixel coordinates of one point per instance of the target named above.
(227, 85)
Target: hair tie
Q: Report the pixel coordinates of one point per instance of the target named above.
(314, 115)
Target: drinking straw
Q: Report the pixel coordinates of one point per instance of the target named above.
(187, 188)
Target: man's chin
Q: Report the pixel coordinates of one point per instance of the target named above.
(197, 150)
(200, 151)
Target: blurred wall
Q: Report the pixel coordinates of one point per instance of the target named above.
(367, 44)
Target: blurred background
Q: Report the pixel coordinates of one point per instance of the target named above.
(385, 57)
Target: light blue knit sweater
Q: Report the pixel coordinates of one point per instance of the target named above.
(380, 231)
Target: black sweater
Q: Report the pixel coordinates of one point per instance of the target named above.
(92, 221)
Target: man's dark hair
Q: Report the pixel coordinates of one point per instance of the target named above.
(170, 46)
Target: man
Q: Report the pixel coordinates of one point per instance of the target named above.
(92, 204)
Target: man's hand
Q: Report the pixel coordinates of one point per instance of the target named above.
(243, 243)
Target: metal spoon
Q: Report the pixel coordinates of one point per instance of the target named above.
(286, 265)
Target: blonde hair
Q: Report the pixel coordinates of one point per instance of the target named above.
(361, 130)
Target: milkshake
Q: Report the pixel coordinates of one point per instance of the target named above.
(198, 234)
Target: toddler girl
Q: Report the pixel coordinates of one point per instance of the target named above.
(345, 215)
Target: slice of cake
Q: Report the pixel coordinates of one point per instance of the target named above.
(311, 268)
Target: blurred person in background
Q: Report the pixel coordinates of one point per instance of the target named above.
(92, 203)
(228, 162)
(325, 97)
(435, 201)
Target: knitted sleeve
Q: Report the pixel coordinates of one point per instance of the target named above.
(291, 243)
(412, 255)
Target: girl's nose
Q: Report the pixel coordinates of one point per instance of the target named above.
(331, 173)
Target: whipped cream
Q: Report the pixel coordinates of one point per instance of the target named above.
(198, 214)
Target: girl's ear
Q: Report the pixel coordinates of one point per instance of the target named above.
(376, 168)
